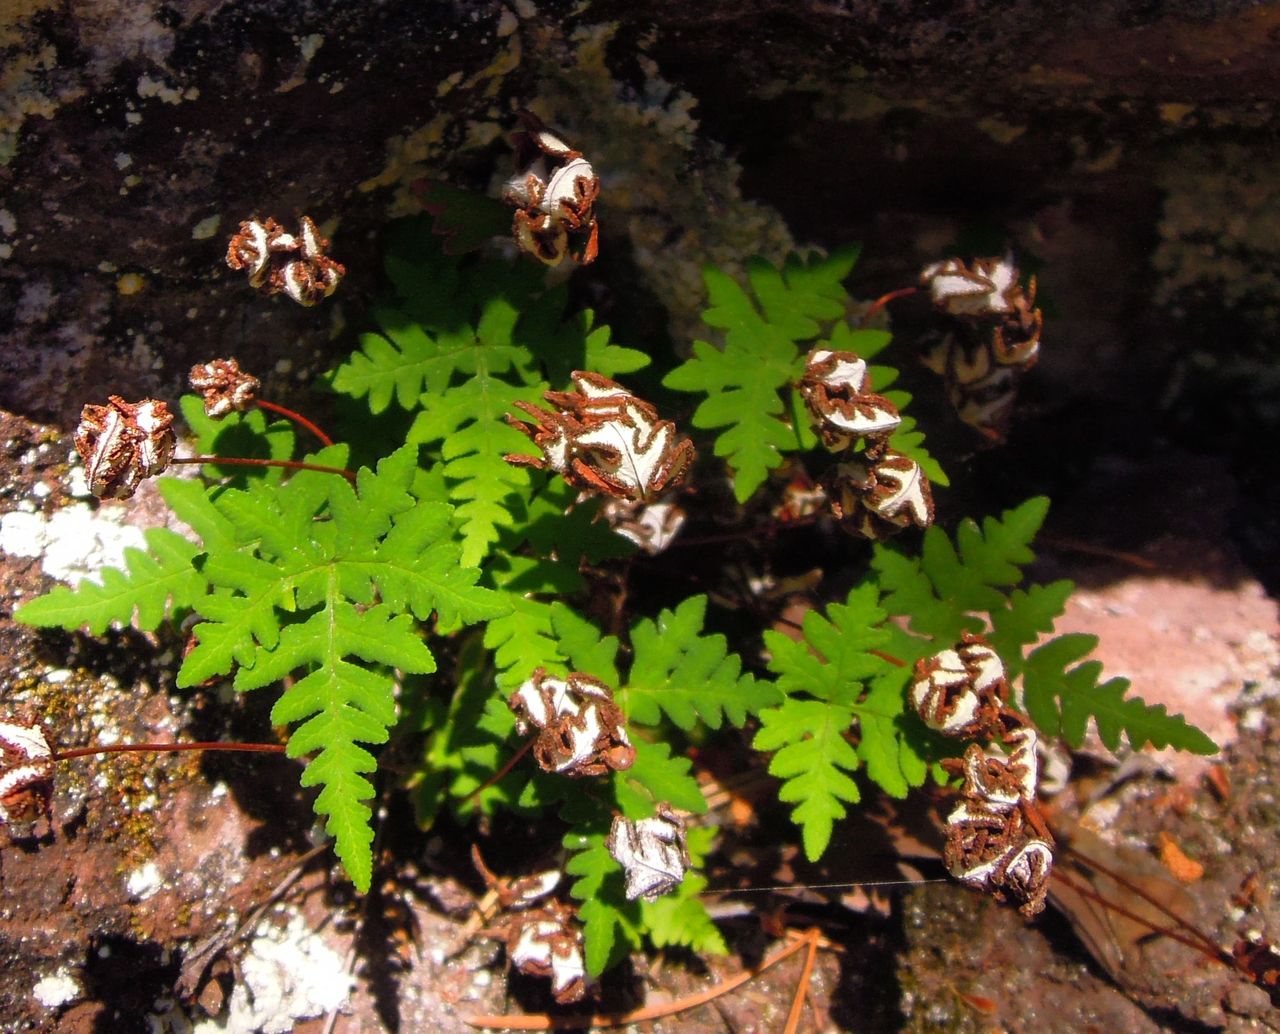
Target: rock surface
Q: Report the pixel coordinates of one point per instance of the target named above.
(1121, 143)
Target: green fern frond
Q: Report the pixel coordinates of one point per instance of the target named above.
(299, 594)
(688, 676)
(835, 685)
(522, 640)
(564, 342)
(970, 587)
(611, 925)
(463, 219)
(155, 585)
(1027, 615)
(581, 642)
(247, 434)
(760, 357)
(152, 587)
(680, 918)
(341, 705)
(559, 525)
(1062, 695)
(813, 760)
(657, 776)
(947, 586)
(462, 368)
(767, 331)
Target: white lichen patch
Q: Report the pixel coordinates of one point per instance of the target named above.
(309, 45)
(144, 882)
(507, 23)
(57, 989)
(74, 543)
(162, 91)
(206, 228)
(288, 975)
(8, 227)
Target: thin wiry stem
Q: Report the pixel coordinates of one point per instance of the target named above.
(161, 748)
(297, 418)
(246, 461)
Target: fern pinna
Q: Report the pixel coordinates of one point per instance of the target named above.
(850, 671)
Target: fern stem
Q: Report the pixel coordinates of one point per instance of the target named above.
(1208, 944)
(883, 300)
(501, 772)
(768, 531)
(297, 418)
(1077, 546)
(246, 461)
(1214, 952)
(159, 748)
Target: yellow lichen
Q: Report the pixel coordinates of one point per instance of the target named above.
(1174, 114)
(1001, 132)
(131, 283)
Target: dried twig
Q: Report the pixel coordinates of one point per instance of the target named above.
(811, 939)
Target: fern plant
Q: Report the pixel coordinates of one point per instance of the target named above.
(309, 575)
(442, 549)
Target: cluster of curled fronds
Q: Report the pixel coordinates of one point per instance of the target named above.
(502, 493)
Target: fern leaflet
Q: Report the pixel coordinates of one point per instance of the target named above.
(760, 357)
(680, 918)
(153, 585)
(688, 676)
(951, 589)
(825, 679)
(1061, 699)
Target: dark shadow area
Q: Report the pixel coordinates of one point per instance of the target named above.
(126, 977)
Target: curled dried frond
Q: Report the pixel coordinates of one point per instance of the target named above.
(1256, 956)
(960, 691)
(554, 190)
(996, 839)
(651, 526)
(26, 772)
(992, 339)
(837, 389)
(581, 731)
(252, 247)
(224, 387)
(801, 498)
(981, 390)
(1007, 775)
(879, 498)
(653, 852)
(973, 290)
(520, 892)
(999, 851)
(123, 442)
(602, 438)
(280, 262)
(547, 942)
